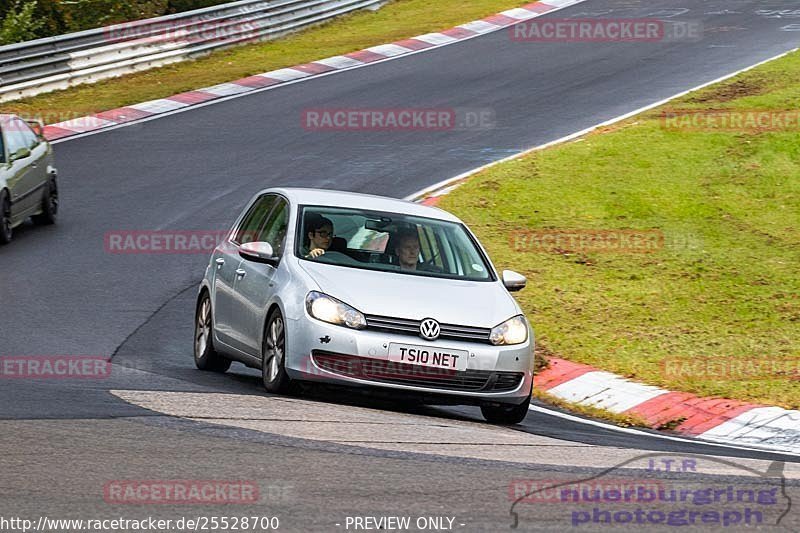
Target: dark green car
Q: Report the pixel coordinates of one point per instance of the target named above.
(27, 176)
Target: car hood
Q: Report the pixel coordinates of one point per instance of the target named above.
(466, 303)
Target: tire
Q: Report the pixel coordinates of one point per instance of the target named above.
(49, 205)
(273, 356)
(506, 414)
(6, 233)
(205, 356)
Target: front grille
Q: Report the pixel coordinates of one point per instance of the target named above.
(405, 326)
(382, 371)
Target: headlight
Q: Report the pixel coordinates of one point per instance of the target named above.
(512, 331)
(329, 309)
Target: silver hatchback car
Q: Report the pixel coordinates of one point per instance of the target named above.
(360, 290)
(27, 176)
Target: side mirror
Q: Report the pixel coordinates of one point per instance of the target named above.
(513, 281)
(259, 252)
(22, 153)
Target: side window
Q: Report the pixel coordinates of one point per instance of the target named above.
(274, 231)
(466, 255)
(254, 219)
(15, 136)
(28, 135)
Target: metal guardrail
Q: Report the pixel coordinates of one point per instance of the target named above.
(59, 62)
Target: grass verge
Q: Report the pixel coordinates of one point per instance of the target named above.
(715, 309)
(400, 19)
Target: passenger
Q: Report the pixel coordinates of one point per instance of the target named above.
(319, 235)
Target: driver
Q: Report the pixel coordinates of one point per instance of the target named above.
(319, 236)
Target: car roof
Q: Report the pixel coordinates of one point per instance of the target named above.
(333, 198)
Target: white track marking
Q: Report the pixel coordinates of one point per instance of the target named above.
(560, 3)
(518, 13)
(761, 424)
(437, 39)
(86, 123)
(286, 74)
(631, 431)
(162, 106)
(339, 62)
(605, 390)
(226, 89)
(479, 26)
(388, 50)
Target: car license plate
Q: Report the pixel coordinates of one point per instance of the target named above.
(428, 356)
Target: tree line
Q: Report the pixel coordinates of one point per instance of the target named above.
(23, 20)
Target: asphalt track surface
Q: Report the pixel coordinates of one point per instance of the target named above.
(63, 294)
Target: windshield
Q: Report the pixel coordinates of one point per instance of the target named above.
(390, 242)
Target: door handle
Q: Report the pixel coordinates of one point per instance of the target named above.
(241, 273)
(220, 262)
(33, 165)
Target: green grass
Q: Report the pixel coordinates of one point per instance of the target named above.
(726, 284)
(400, 19)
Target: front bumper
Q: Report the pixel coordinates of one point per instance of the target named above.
(321, 352)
